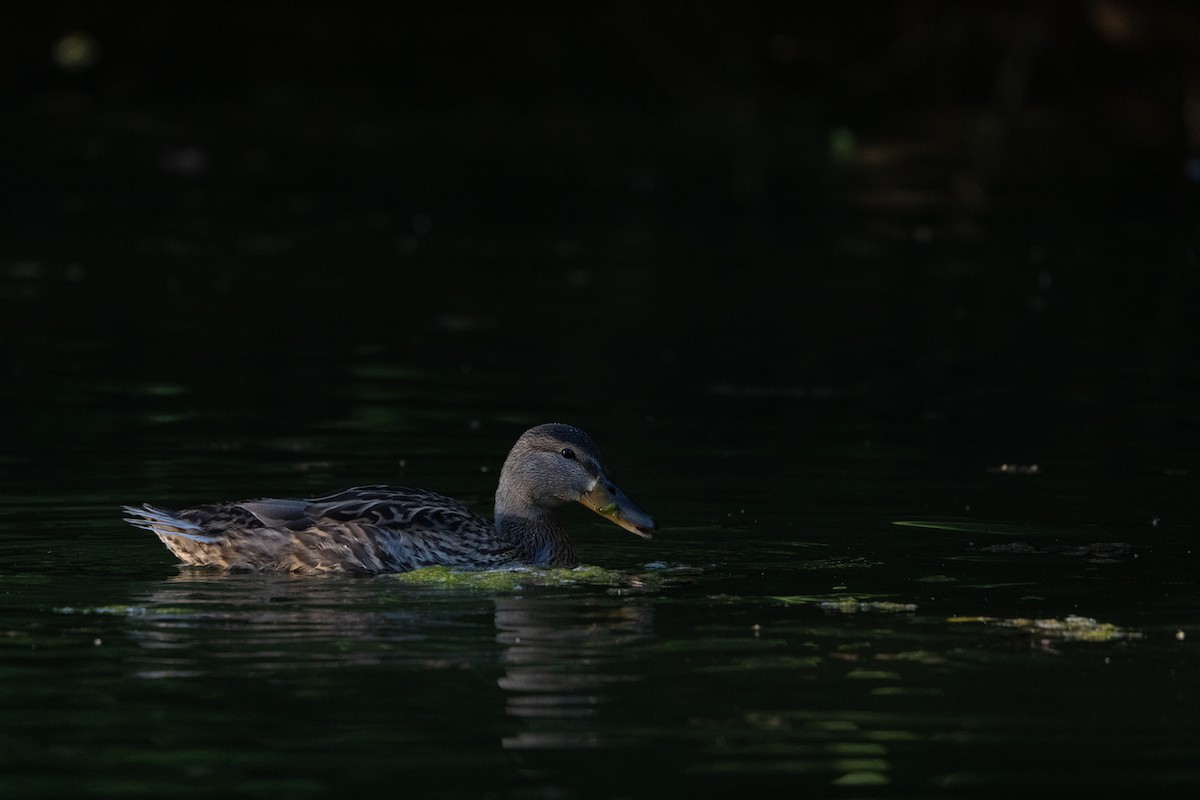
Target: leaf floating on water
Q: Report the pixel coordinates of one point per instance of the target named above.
(1072, 628)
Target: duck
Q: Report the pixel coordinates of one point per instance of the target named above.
(391, 529)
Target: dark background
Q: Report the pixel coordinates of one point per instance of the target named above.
(931, 207)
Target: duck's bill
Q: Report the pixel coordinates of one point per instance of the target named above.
(611, 503)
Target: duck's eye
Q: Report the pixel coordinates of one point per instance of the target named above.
(568, 453)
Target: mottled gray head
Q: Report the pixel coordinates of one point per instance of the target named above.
(554, 464)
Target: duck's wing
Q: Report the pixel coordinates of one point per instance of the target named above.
(365, 529)
(388, 529)
(394, 507)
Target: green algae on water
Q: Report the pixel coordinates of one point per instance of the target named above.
(516, 580)
(1071, 628)
(847, 604)
(493, 580)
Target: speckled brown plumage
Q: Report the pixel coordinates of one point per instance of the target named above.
(373, 529)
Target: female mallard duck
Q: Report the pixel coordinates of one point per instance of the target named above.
(393, 529)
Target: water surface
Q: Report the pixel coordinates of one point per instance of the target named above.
(925, 468)
(833, 603)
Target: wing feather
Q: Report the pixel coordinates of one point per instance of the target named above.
(364, 529)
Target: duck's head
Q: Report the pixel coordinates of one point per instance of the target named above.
(554, 464)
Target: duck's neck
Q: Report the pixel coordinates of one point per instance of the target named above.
(541, 540)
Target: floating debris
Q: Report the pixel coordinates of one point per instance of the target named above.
(847, 605)
(1099, 552)
(1016, 469)
(840, 563)
(113, 610)
(1071, 628)
(957, 526)
(1096, 552)
(851, 606)
(873, 675)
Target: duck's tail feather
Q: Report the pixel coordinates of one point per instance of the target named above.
(166, 523)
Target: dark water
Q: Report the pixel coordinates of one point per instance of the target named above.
(1036, 631)
(921, 439)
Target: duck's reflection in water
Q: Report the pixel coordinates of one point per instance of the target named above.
(197, 623)
(562, 652)
(563, 659)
